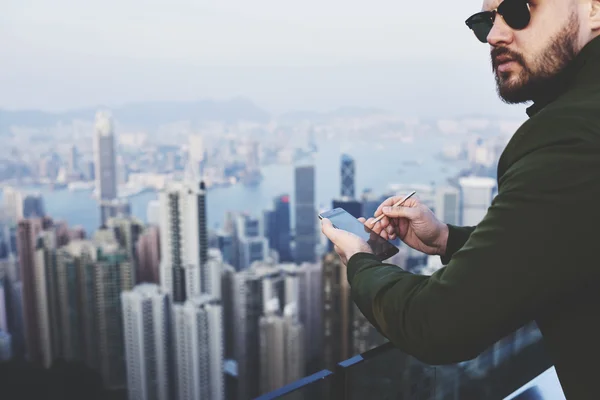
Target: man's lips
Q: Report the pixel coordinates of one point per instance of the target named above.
(503, 63)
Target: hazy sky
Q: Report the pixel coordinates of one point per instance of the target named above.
(414, 56)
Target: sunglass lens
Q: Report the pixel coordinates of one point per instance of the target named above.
(515, 13)
(481, 29)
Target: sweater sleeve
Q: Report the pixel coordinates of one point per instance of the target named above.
(535, 245)
(457, 237)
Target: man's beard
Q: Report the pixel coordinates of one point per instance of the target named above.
(535, 81)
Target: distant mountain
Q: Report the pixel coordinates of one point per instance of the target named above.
(317, 117)
(146, 114)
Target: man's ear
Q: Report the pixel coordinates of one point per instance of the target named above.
(595, 16)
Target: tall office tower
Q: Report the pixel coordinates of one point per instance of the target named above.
(227, 246)
(248, 308)
(5, 346)
(76, 302)
(196, 154)
(147, 334)
(309, 310)
(147, 251)
(250, 243)
(281, 216)
(306, 224)
(153, 213)
(127, 231)
(33, 206)
(115, 208)
(47, 297)
(122, 171)
(227, 301)
(477, 193)
(28, 231)
(447, 205)
(337, 312)
(113, 274)
(347, 175)
(105, 160)
(73, 161)
(370, 203)
(199, 349)
(281, 347)
(183, 238)
(13, 203)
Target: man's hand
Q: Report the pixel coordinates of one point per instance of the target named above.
(346, 244)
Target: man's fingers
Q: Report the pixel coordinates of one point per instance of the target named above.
(400, 212)
(362, 219)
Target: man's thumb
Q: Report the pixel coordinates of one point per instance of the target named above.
(400, 212)
(328, 229)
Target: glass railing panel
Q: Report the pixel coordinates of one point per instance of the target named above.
(385, 373)
(317, 386)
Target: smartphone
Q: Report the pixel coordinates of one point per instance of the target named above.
(343, 220)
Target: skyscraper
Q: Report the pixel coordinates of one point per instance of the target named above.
(127, 231)
(337, 312)
(250, 244)
(13, 203)
(73, 161)
(147, 328)
(248, 308)
(447, 205)
(279, 228)
(347, 175)
(148, 256)
(47, 297)
(306, 224)
(310, 309)
(33, 206)
(281, 346)
(184, 238)
(113, 274)
(104, 159)
(199, 349)
(28, 231)
(477, 195)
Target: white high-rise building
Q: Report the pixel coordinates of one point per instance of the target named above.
(104, 159)
(12, 203)
(153, 213)
(199, 349)
(250, 242)
(184, 239)
(147, 328)
(281, 347)
(477, 194)
(447, 205)
(197, 149)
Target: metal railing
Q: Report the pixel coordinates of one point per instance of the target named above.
(385, 372)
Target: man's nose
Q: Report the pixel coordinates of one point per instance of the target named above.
(501, 33)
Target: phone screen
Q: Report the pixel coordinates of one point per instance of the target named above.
(341, 219)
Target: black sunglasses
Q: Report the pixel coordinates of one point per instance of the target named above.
(514, 12)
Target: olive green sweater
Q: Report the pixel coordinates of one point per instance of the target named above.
(532, 257)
